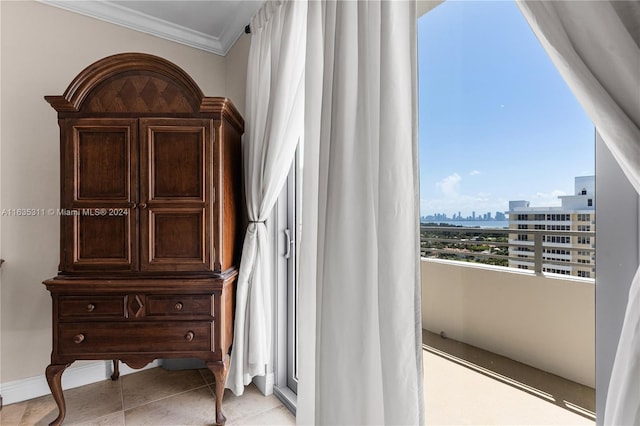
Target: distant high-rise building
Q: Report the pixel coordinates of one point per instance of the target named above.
(568, 254)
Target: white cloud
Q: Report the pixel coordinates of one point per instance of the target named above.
(451, 199)
(547, 199)
(474, 173)
(450, 185)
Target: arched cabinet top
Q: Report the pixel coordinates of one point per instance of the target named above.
(140, 84)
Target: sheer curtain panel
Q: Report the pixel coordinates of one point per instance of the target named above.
(596, 47)
(274, 124)
(360, 257)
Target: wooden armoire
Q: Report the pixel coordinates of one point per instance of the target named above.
(149, 221)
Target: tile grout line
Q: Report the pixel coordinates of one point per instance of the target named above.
(119, 380)
(261, 413)
(24, 411)
(163, 398)
(123, 410)
(124, 418)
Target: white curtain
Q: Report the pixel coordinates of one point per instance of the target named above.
(596, 47)
(274, 123)
(360, 354)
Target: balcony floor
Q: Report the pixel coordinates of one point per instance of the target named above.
(467, 385)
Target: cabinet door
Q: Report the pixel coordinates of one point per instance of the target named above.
(175, 194)
(100, 175)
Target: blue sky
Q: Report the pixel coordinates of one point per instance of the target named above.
(497, 121)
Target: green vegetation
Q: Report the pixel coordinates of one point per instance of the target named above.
(466, 244)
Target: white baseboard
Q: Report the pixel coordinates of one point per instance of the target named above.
(265, 383)
(73, 377)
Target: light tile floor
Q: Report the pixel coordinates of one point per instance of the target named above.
(151, 397)
(463, 385)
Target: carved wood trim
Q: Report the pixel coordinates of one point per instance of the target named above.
(116, 66)
(226, 108)
(106, 68)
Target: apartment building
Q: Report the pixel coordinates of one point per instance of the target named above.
(569, 249)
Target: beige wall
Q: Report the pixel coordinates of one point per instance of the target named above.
(548, 323)
(42, 49)
(237, 72)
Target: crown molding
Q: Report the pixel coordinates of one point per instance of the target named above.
(132, 19)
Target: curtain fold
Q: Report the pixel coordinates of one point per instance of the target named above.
(359, 250)
(274, 124)
(596, 48)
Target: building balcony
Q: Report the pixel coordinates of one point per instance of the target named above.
(507, 346)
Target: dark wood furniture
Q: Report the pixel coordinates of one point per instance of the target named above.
(150, 196)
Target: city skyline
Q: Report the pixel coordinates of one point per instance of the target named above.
(496, 120)
(582, 185)
(475, 216)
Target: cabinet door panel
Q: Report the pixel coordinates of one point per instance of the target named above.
(177, 159)
(102, 164)
(175, 194)
(176, 239)
(102, 240)
(100, 191)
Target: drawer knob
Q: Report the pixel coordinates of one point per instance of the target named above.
(178, 306)
(189, 336)
(78, 338)
(90, 307)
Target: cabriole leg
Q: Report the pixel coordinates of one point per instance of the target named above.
(219, 370)
(116, 369)
(54, 379)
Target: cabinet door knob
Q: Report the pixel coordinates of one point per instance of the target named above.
(143, 205)
(78, 338)
(90, 307)
(178, 306)
(189, 336)
(133, 205)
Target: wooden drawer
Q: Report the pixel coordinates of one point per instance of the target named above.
(74, 308)
(134, 337)
(181, 305)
